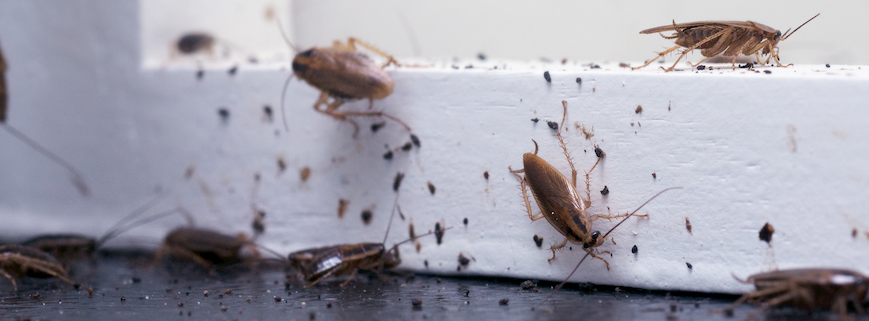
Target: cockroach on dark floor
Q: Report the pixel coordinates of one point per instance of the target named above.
(342, 73)
(18, 261)
(75, 176)
(558, 199)
(729, 38)
(204, 246)
(808, 289)
(319, 263)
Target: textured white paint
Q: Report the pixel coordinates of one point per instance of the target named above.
(786, 148)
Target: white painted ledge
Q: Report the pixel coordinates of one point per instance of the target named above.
(787, 148)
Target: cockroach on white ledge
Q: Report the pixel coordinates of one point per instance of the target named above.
(343, 73)
(728, 38)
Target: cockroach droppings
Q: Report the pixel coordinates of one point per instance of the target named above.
(282, 165)
(267, 111)
(854, 233)
(486, 175)
(766, 233)
(552, 125)
(233, 70)
(123, 298)
(635, 249)
(604, 191)
(639, 109)
(90, 291)
(396, 183)
(546, 76)
(538, 240)
(224, 113)
(464, 261)
(305, 173)
(377, 126)
(415, 140)
(535, 119)
(528, 285)
(767, 72)
(200, 74)
(417, 304)
(579, 80)
(342, 207)
(431, 188)
(654, 175)
(366, 216)
(688, 226)
(439, 233)
(188, 173)
(828, 65)
(481, 56)
(388, 155)
(504, 301)
(689, 265)
(465, 221)
(701, 67)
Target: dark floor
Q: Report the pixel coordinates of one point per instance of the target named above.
(126, 287)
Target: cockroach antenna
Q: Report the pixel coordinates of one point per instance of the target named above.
(287, 82)
(786, 35)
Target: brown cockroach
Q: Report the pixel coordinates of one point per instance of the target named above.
(18, 261)
(807, 288)
(319, 263)
(343, 73)
(558, 199)
(194, 42)
(68, 247)
(204, 246)
(728, 38)
(75, 176)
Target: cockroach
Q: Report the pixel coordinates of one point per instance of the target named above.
(343, 73)
(75, 176)
(194, 42)
(558, 199)
(69, 247)
(204, 246)
(319, 263)
(807, 288)
(18, 261)
(729, 38)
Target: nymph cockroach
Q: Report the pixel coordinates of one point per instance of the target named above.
(558, 199)
(728, 38)
(342, 73)
(75, 177)
(68, 247)
(808, 289)
(19, 261)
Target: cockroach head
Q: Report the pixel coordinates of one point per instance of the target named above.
(594, 240)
